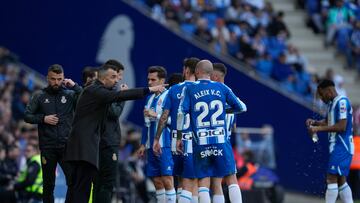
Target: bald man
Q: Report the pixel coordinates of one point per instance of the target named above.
(206, 101)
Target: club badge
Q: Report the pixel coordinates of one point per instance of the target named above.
(114, 158)
(43, 160)
(63, 99)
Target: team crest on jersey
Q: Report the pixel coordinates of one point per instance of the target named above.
(43, 160)
(114, 157)
(46, 101)
(63, 99)
(159, 102)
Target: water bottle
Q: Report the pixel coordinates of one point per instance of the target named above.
(315, 138)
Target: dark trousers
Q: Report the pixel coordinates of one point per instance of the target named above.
(105, 180)
(83, 175)
(49, 159)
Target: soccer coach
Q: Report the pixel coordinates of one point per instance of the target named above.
(82, 150)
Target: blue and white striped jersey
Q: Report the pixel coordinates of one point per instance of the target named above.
(341, 142)
(155, 103)
(172, 104)
(206, 102)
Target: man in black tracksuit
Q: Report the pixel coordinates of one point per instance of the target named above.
(82, 150)
(52, 108)
(105, 180)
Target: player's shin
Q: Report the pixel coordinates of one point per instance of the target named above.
(235, 193)
(331, 193)
(345, 193)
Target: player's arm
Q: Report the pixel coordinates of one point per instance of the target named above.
(141, 150)
(31, 112)
(237, 106)
(311, 122)
(337, 127)
(342, 117)
(162, 123)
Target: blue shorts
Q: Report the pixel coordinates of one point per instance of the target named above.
(188, 166)
(157, 166)
(178, 164)
(339, 163)
(214, 160)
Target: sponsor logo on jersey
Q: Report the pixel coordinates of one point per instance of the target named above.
(211, 152)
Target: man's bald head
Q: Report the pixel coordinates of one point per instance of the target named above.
(203, 69)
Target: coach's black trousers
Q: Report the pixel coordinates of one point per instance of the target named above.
(82, 177)
(106, 177)
(49, 160)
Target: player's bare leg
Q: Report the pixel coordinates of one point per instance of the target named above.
(216, 189)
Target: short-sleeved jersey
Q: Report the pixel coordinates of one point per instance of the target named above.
(155, 103)
(341, 143)
(206, 102)
(172, 104)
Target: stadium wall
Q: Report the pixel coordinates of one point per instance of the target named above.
(80, 33)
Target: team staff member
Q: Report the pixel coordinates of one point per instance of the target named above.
(82, 150)
(52, 108)
(29, 185)
(109, 145)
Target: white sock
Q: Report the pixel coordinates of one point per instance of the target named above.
(218, 199)
(170, 196)
(160, 196)
(345, 193)
(178, 193)
(195, 199)
(204, 195)
(185, 197)
(235, 193)
(331, 193)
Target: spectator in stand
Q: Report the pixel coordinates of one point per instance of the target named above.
(356, 115)
(339, 17)
(248, 16)
(278, 25)
(247, 52)
(281, 70)
(233, 11)
(221, 36)
(202, 31)
(293, 57)
(264, 65)
(314, 19)
(353, 53)
(233, 44)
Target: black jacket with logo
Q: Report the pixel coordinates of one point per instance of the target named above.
(90, 120)
(47, 102)
(112, 131)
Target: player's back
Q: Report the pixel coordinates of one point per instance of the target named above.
(207, 100)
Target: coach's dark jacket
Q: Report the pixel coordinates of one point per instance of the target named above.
(90, 120)
(46, 102)
(112, 131)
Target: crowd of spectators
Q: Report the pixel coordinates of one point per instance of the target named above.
(248, 30)
(339, 20)
(16, 86)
